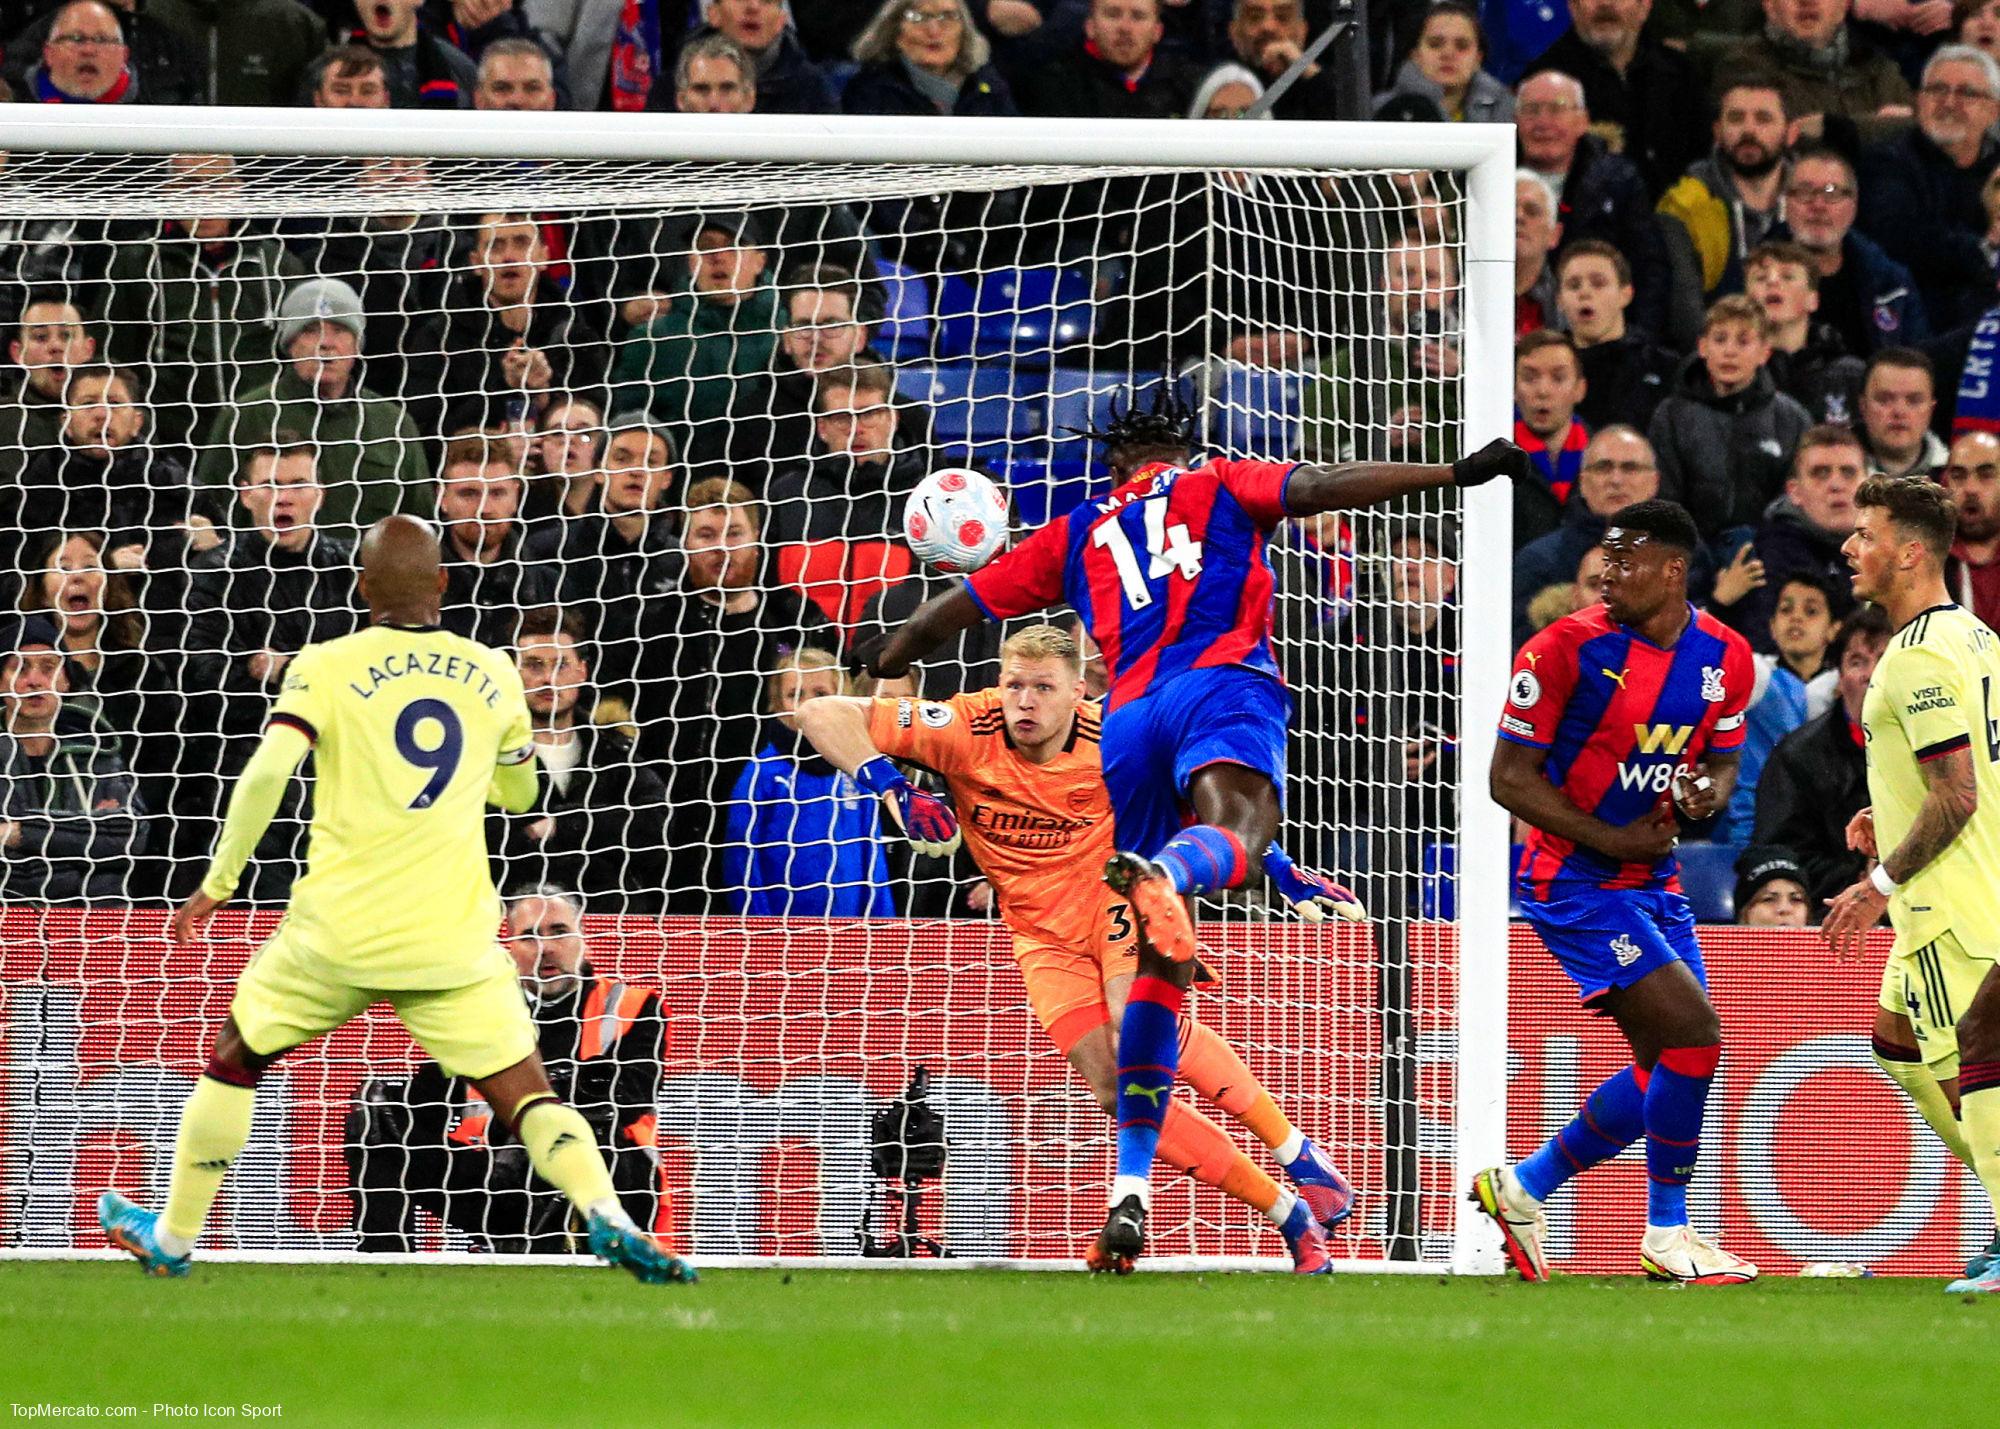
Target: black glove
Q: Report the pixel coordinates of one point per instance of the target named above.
(1498, 457)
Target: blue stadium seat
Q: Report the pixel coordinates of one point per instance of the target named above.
(1437, 883)
(1082, 400)
(1026, 314)
(956, 324)
(904, 333)
(1254, 412)
(1708, 874)
(974, 404)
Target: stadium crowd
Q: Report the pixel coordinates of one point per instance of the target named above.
(1756, 261)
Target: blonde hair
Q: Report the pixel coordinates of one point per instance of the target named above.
(1044, 642)
(804, 660)
(876, 44)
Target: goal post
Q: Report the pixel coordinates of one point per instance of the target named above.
(1016, 276)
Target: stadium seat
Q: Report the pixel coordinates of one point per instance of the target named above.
(1254, 412)
(1437, 882)
(1027, 314)
(904, 334)
(1708, 876)
(973, 404)
(1081, 401)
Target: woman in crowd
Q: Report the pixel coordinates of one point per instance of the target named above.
(103, 630)
(925, 57)
(1444, 68)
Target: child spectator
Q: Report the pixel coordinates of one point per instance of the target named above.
(1548, 384)
(1784, 697)
(1771, 889)
(804, 841)
(1809, 362)
(1725, 436)
(1625, 373)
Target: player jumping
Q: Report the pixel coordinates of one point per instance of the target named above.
(414, 730)
(1172, 577)
(1616, 716)
(1934, 804)
(1023, 760)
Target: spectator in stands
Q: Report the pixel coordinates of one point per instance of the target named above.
(516, 73)
(1800, 534)
(1268, 36)
(1445, 68)
(803, 840)
(1827, 67)
(192, 306)
(599, 827)
(708, 639)
(1938, 170)
(714, 75)
(95, 53)
(105, 476)
(1728, 203)
(1771, 889)
(1391, 393)
(1625, 373)
(49, 342)
(1537, 229)
(1642, 91)
(710, 343)
(70, 820)
(1618, 469)
(564, 461)
(837, 520)
(825, 314)
(348, 77)
(606, 556)
(1725, 434)
(925, 57)
(609, 64)
(487, 582)
(1226, 92)
(1548, 384)
(1817, 777)
(423, 69)
(1552, 602)
(1800, 627)
(1600, 194)
(786, 81)
(371, 462)
(1118, 72)
(102, 632)
(1972, 475)
(509, 328)
(259, 49)
(1808, 360)
(1867, 297)
(1898, 399)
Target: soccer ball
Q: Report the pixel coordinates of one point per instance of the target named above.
(955, 520)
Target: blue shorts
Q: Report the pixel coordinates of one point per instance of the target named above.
(1154, 745)
(1611, 938)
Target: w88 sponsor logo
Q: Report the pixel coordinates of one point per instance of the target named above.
(1651, 778)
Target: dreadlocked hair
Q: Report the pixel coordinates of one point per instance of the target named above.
(1133, 436)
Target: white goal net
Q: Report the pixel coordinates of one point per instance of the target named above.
(664, 411)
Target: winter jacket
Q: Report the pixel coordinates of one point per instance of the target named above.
(607, 835)
(80, 819)
(165, 67)
(1725, 458)
(599, 576)
(1720, 227)
(804, 840)
(1551, 560)
(1539, 503)
(1628, 378)
(1944, 250)
(1813, 783)
(476, 342)
(1849, 78)
(402, 278)
(691, 361)
(1604, 197)
(140, 495)
(1656, 105)
(256, 51)
(836, 528)
(1872, 302)
(372, 461)
(1076, 83)
(1823, 376)
(30, 424)
(427, 73)
(1487, 100)
(483, 601)
(1777, 707)
(887, 88)
(788, 82)
(1788, 545)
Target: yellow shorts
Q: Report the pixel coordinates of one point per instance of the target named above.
(1932, 985)
(286, 997)
(1066, 981)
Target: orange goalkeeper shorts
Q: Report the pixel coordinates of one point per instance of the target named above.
(1066, 981)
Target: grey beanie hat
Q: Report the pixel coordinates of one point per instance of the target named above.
(318, 300)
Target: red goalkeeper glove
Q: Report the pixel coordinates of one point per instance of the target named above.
(926, 819)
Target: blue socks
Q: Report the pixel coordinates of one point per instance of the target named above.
(1676, 1097)
(1612, 1119)
(1148, 1052)
(1200, 859)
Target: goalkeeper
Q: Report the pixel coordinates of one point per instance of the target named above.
(1023, 760)
(413, 731)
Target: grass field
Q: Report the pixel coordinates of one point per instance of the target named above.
(359, 1345)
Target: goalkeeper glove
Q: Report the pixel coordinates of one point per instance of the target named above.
(1498, 457)
(925, 818)
(1311, 895)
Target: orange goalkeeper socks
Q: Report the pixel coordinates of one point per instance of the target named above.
(1211, 1066)
(1199, 1147)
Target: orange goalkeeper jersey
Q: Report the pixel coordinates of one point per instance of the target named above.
(1039, 832)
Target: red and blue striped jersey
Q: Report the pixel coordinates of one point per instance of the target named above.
(1618, 715)
(1170, 572)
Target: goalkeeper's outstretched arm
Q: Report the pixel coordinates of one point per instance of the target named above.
(1314, 489)
(933, 623)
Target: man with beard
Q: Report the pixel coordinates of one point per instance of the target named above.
(1864, 294)
(1827, 69)
(1972, 476)
(1729, 202)
(1645, 91)
(1269, 36)
(488, 584)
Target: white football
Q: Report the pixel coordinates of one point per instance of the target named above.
(956, 520)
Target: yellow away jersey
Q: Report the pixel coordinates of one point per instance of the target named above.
(1933, 692)
(407, 725)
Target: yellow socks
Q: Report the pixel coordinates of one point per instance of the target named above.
(215, 1124)
(564, 1151)
(1920, 1084)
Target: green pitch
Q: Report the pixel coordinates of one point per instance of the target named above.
(358, 1345)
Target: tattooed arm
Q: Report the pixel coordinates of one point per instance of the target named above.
(1951, 795)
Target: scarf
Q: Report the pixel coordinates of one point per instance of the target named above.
(1978, 407)
(47, 93)
(939, 90)
(635, 55)
(1559, 466)
(1828, 60)
(1130, 81)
